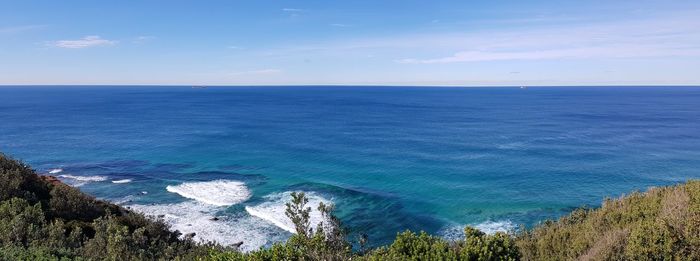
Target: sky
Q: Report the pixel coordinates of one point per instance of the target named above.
(358, 42)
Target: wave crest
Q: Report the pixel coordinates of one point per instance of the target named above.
(77, 181)
(84, 178)
(55, 171)
(273, 210)
(217, 192)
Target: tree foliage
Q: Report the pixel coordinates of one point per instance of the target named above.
(42, 220)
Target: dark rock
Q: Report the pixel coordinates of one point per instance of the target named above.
(238, 244)
(51, 179)
(214, 219)
(190, 235)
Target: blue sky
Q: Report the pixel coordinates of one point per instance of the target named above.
(350, 42)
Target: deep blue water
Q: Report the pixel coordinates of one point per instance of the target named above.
(390, 158)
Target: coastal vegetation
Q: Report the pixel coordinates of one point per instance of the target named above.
(44, 219)
(662, 223)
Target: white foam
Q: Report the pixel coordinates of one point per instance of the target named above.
(55, 171)
(273, 210)
(121, 181)
(123, 200)
(491, 227)
(456, 232)
(85, 178)
(196, 217)
(217, 192)
(77, 181)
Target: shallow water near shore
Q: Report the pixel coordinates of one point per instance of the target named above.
(390, 158)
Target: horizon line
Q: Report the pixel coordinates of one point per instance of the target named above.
(342, 85)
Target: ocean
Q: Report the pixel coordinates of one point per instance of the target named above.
(389, 158)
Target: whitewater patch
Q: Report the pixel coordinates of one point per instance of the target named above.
(77, 181)
(121, 181)
(217, 192)
(456, 232)
(123, 200)
(55, 171)
(197, 217)
(84, 178)
(273, 210)
(491, 227)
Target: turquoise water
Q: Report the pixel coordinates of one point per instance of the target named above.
(390, 158)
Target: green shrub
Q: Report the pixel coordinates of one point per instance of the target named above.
(475, 246)
(21, 224)
(660, 224)
(44, 221)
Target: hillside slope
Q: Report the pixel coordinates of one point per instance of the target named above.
(43, 219)
(662, 223)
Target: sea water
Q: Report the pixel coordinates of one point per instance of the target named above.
(222, 161)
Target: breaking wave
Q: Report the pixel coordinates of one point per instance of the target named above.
(55, 171)
(197, 217)
(217, 192)
(78, 181)
(84, 178)
(273, 210)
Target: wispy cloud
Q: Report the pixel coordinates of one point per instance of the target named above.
(340, 25)
(610, 51)
(143, 39)
(85, 42)
(665, 35)
(255, 72)
(20, 28)
(659, 37)
(292, 10)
